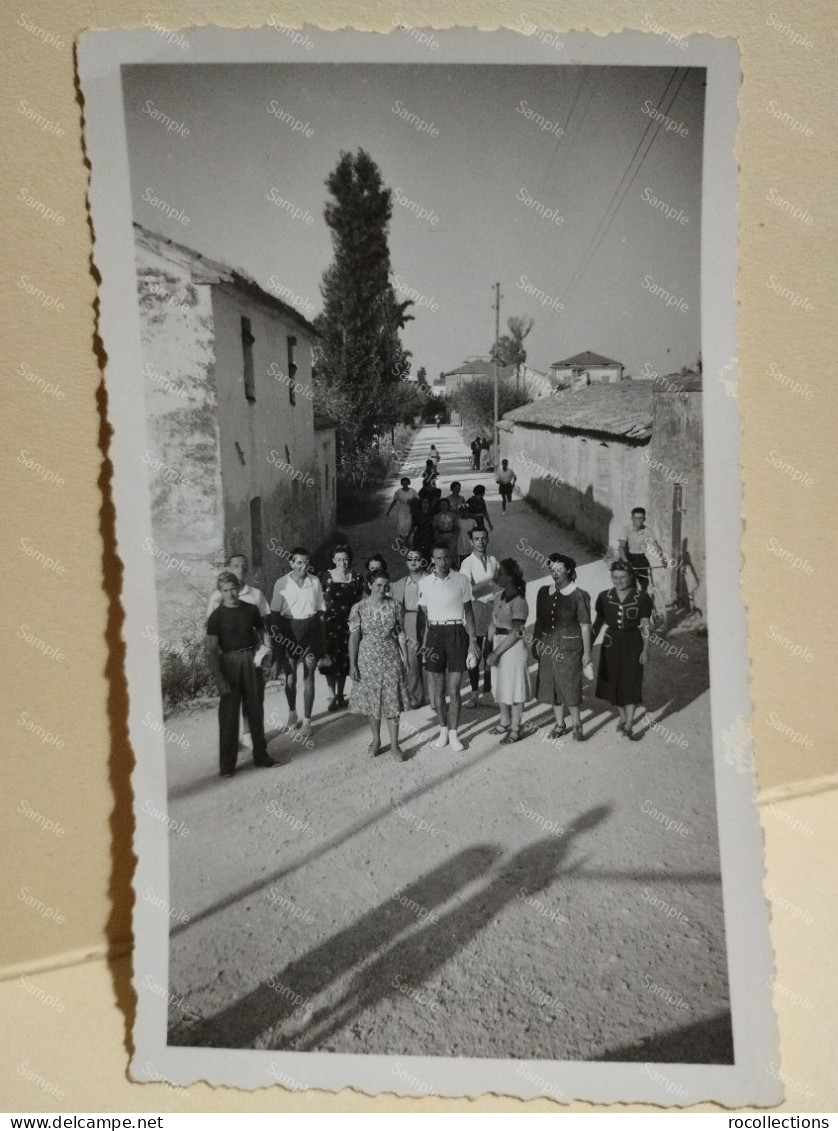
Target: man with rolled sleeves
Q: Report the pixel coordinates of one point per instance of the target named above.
(235, 635)
(449, 644)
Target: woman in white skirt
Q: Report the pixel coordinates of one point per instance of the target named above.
(509, 656)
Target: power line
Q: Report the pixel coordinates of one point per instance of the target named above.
(621, 190)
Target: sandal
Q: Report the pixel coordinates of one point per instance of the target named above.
(557, 731)
(513, 736)
(374, 749)
(499, 729)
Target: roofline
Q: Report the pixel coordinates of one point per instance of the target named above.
(232, 275)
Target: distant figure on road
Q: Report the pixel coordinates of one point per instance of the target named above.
(625, 611)
(298, 632)
(449, 643)
(405, 593)
(434, 457)
(377, 659)
(485, 455)
(505, 479)
(562, 643)
(636, 540)
(438, 419)
(509, 657)
(402, 500)
(476, 448)
(481, 568)
(422, 531)
(446, 527)
(235, 630)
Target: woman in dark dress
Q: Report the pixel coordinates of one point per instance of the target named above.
(625, 610)
(342, 589)
(562, 643)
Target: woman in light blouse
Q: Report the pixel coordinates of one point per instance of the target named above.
(509, 657)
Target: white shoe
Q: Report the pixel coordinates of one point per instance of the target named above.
(442, 740)
(246, 741)
(293, 722)
(454, 741)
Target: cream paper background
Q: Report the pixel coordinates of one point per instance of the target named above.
(86, 873)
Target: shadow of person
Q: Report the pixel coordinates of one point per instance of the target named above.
(277, 998)
(417, 957)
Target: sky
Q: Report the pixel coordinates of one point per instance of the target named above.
(225, 158)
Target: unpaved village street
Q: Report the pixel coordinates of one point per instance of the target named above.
(545, 900)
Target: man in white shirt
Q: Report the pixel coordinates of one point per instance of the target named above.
(299, 632)
(239, 565)
(505, 480)
(481, 568)
(449, 643)
(635, 544)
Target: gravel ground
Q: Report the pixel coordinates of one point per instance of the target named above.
(550, 900)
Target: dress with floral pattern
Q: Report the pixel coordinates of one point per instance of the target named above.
(340, 597)
(381, 690)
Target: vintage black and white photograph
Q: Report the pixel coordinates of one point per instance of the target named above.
(420, 353)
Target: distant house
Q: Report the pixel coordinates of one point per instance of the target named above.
(580, 455)
(585, 369)
(527, 379)
(236, 458)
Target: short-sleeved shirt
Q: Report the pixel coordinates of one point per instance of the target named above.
(235, 627)
(445, 598)
(248, 593)
(505, 612)
(298, 601)
(479, 574)
(506, 477)
(639, 541)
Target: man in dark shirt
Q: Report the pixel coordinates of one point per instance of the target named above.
(234, 632)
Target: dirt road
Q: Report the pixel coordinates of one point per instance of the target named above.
(550, 900)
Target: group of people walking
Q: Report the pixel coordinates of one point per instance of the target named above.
(400, 641)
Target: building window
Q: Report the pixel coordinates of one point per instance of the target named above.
(247, 357)
(256, 533)
(327, 477)
(292, 369)
(287, 456)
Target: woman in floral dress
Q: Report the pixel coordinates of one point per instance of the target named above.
(342, 589)
(377, 663)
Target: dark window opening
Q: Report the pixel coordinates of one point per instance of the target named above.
(292, 370)
(247, 357)
(256, 533)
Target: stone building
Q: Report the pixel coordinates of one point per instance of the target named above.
(585, 369)
(238, 462)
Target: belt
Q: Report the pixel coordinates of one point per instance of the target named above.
(436, 622)
(235, 651)
(501, 631)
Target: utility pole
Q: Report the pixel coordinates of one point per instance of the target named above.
(495, 360)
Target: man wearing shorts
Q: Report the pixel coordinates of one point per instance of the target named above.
(298, 631)
(445, 596)
(481, 568)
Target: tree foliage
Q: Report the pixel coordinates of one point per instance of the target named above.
(475, 402)
(359, 354)
(509, 348)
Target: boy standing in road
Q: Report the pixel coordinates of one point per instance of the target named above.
(636, 540)
(234, 632)
(505, 479)
(299, 631)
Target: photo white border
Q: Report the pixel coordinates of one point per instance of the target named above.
(753, 1079)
